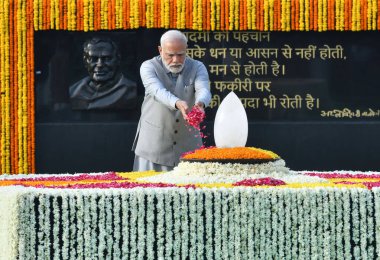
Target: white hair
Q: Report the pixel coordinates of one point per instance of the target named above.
(173, 35)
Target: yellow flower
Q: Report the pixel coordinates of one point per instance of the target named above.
(302, 15)
(283, 15)
(90, 15)
(217, 14)
(231, 15)
(103, 14)
(321, 185)
(236, 14)
(374, 14)
(307, 15)
(85, 15)
(271, 15)
(135, 175)
(320, 14)
(253, 13)
(214, 185)
(166, 14)
(324, 15)
(212, 15)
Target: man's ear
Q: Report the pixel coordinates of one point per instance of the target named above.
(159, 49)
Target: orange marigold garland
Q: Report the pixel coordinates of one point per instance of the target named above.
(226, 13)
(349, 11)
(158, 14)
(324, 15)
(126, 8)
(187, 14)
(222, 15)
(97, 16)
(79, 14)
(293, 15)
(22, 89)
(331, 14)
(314, 15)
(212, 14)
(207, 15)
(64, 15)
(30, 77)
(165, 14)
(110, 15)
(364, 14)
(266, 15)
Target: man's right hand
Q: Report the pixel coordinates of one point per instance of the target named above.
(183, 107)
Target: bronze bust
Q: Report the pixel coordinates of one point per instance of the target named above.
(105, 87)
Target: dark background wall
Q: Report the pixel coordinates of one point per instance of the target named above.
(93, 141)
(86, 147)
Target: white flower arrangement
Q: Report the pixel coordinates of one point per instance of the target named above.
(125, 210)
(168, 223)
(180, 223)
(176, 227)
(195, 172)
(150, 217)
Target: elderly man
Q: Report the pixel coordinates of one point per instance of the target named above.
(105, 87)
(173, 84)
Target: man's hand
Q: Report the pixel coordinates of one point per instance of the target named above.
(200, 106)
(183, 107)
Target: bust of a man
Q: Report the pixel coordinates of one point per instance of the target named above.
(105, 87)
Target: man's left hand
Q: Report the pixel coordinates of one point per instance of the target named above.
(200, 106)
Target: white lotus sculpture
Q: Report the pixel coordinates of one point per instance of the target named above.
(231, 123)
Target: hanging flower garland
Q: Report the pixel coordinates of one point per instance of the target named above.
(20, 18)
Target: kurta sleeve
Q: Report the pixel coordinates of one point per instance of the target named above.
(153, 86)
(202, 85)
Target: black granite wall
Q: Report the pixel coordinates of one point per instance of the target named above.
(92, 141)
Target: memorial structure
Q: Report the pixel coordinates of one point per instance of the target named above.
(333, 215)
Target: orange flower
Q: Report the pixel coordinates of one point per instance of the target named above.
(230, 153)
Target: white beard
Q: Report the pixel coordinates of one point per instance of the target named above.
(177, 68)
